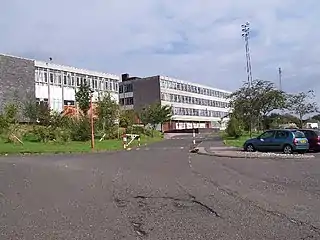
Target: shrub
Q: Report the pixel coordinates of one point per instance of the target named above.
(136, 129)
(234, 128)
(80, 130)
(4, 125)
(112, 133)
(41, 134)
(62, 135)
(30, 137)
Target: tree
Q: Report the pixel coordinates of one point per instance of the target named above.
(302, 104)
(234, 127)
(11, 113)
(251, 104)
(155, 114)
(316, 117)
(83, 97)
(108, 112)
(163, 114)
(31, 110)
(127, 118)
(43, 114)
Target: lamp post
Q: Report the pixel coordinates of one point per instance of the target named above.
(245, 34)
(91, 120)
(280, 79)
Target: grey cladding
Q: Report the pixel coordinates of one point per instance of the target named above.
(17, 81)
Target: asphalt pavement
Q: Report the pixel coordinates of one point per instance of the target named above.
(159, 191)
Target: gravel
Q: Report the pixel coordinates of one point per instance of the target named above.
(236, 153)
(273, 155)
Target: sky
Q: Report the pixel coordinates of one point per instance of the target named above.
(193, 40)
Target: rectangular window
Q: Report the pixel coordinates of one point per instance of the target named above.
(69, 103)
(56, 77)
(69, 80)
(51, 78)
(45, 77)
(64, 80)
(107, 85)
(72, 81)
(161, 83)
(78, 81)
(174, 85)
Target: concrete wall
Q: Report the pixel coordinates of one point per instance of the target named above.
(17, 81)
(146, 92)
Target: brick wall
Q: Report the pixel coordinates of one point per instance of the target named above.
(17, 81)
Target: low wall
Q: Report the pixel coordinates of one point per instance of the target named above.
(197, 130)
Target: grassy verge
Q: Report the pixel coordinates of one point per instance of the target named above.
(237, 142)
(68, 147)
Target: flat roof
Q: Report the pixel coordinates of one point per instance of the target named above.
(55, 66)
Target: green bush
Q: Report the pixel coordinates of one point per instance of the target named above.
(62, 135)
(112, 132)
(136, 130)
(30, 137)
(41, 134)
(4, 125)
(234, 128)
(80, 130)
(152, 133)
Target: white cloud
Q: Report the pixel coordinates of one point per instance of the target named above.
(194, 40)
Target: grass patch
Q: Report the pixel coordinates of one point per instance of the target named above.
(237, 142)
(68, 147)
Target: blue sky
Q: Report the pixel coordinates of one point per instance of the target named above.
(194, 40)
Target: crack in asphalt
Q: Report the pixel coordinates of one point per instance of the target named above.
(237, 195)
(137, 227)
(192, 200)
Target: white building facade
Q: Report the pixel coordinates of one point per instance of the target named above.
(194, 105)
(57, 84)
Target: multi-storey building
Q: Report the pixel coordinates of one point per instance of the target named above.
(193, 105)
(49, 82)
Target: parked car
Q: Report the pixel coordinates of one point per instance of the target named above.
(313, 136)
(285, 140)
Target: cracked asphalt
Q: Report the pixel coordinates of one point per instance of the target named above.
(159, 192)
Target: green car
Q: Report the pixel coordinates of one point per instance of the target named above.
(278, 140)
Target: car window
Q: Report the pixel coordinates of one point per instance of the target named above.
(317, 133)
(281, 134)
(267, 134)
(298, 134)
(309, 134)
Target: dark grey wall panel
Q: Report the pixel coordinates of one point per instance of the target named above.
(17, 81)
(146, 91)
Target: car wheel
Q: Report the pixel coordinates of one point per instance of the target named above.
(287, 149)
(250, 148)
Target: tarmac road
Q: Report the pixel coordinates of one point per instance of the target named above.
(158, 192)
